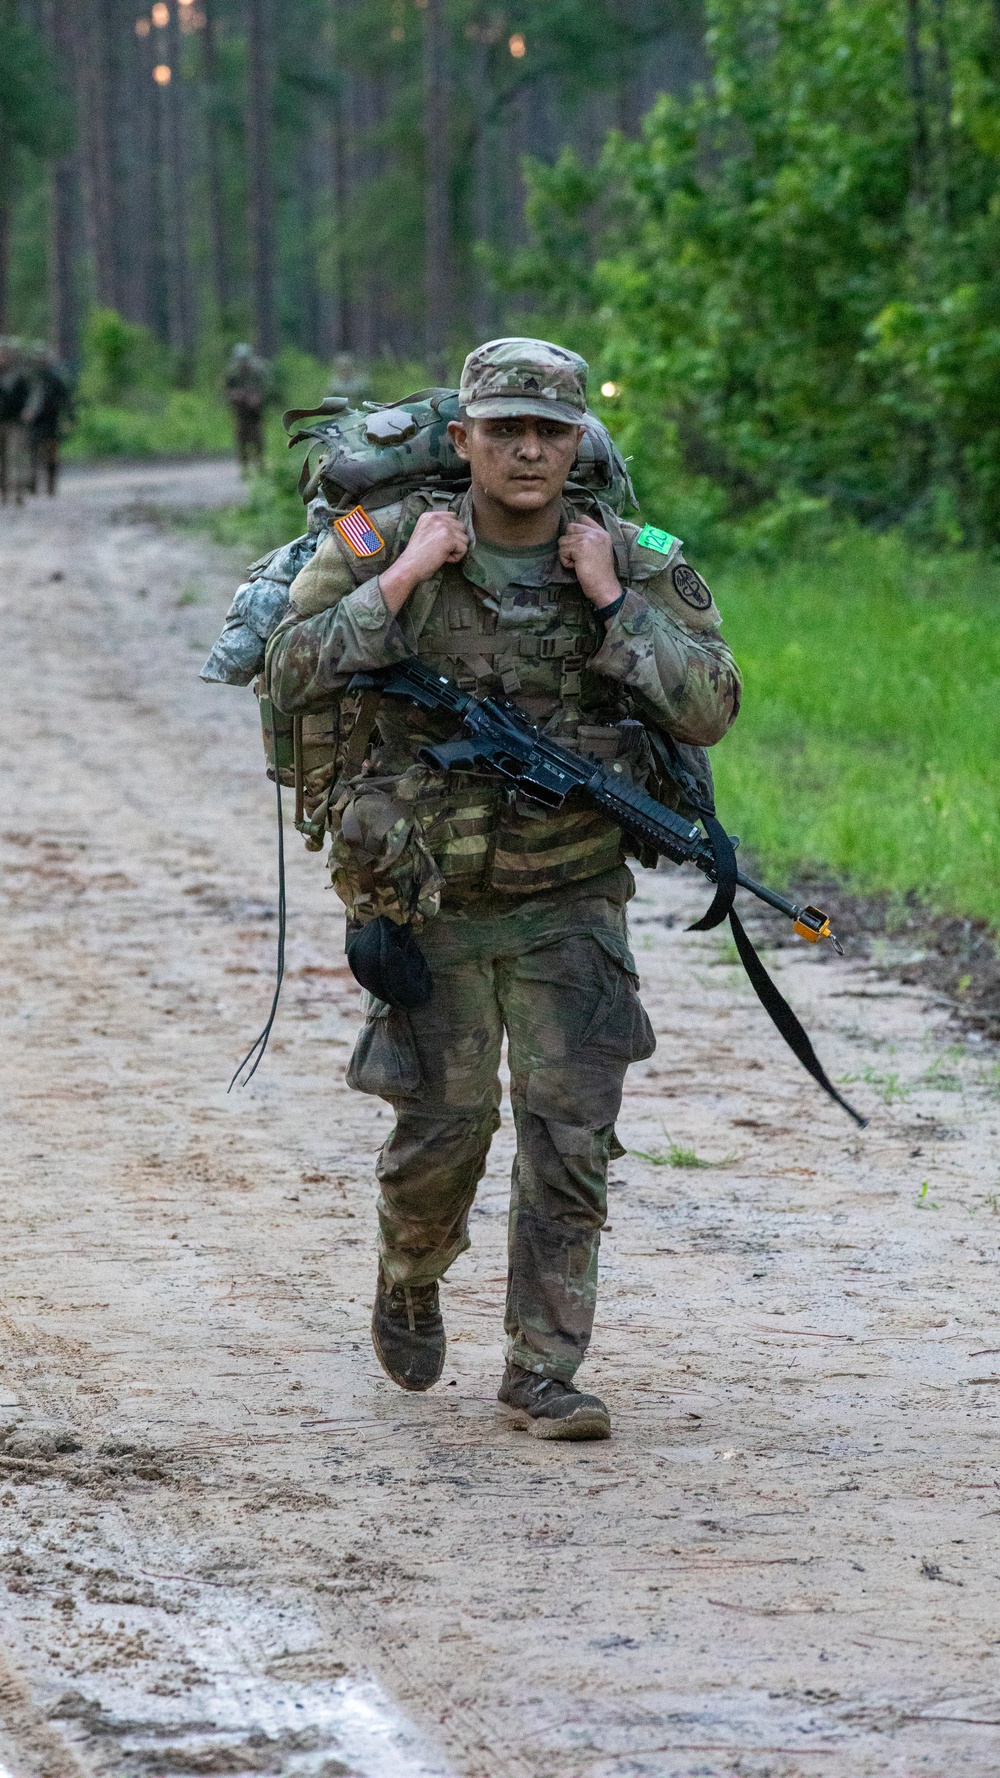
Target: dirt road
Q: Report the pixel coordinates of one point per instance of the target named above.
(228, 1543)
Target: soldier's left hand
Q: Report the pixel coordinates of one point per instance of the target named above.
(586, 548)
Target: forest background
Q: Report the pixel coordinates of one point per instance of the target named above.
(772, 226)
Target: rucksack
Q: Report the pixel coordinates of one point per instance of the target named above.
(376, 455)
(380, 452)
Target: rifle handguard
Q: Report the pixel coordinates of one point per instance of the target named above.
(501, 736)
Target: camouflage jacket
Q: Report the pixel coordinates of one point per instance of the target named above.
(661, 659)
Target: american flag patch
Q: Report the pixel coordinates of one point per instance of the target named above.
(357, 529)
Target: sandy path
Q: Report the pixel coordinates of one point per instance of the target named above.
(260, 1556)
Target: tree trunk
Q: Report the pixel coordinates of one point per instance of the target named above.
(330, 267)
(159, 221)
(182, 315)
(64, 235)
(259, 137)
(90, 32)
(4, 264)
(214, 178)
(920, 150)
(484, 183)
(330, 163)
(307, 319)
(151, 246)
(135, 205)
(359, 171)
(944, 182)
(437, 187)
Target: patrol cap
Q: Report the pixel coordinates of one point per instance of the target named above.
(508, 377)
(386, 959)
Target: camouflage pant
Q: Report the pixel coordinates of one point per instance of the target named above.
(248, 423)
(15, 460)
(555, 973)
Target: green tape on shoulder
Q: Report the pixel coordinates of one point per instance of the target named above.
(650, 537)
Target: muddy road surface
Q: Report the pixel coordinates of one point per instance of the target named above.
(227, 1543)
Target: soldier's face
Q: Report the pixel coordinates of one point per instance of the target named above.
(522, 462)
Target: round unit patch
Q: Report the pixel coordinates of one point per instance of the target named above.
(690, 587)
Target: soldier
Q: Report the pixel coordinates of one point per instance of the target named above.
(49, 406)
(15, 451)
(248, 386)
(521, 912)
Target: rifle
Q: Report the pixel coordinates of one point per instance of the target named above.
(498, 735)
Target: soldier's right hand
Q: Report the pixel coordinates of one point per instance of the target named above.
(438, 537)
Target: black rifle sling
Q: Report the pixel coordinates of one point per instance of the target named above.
(782, 1016)
(723, 850)
(767, 992)
(724, 855)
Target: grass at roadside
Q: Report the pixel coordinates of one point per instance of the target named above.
(171, 423)
(869, 743)
(272, 512)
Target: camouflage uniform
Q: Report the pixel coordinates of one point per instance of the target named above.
(15, 444)
(247, 387)
(48, 409)
(531, 933)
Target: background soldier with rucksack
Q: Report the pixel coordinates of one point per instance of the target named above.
(247, 390)
(47, 411)
(498, 565)
(15, 441)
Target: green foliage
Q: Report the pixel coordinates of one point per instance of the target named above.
(178, 423)
(793, 276)
(127, 404)
(271, 514)
(34, 118)
(870, 732)
(675, 1156)
(120, 359)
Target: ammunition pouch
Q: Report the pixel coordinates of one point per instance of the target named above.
(307, 753)
(380, 862)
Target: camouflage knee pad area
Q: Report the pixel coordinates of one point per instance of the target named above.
(557, 975)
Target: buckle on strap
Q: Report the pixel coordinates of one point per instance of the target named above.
(549, 648)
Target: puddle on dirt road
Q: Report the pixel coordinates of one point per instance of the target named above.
(234, 1686)
(241, 1723)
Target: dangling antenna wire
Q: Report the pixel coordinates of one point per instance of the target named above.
(258, 1047)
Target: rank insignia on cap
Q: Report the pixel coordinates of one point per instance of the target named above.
(651, 537)
(358, 531)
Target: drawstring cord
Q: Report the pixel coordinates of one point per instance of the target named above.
(259, 1045)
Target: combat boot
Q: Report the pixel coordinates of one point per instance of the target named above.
(408, 1332)
(547, 1408)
